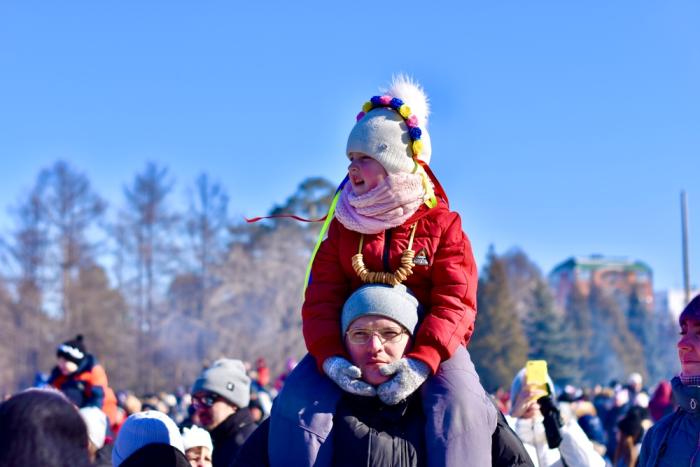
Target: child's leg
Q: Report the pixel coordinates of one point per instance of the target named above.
(302, 418)
(460, 417)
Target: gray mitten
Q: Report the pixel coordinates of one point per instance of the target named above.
(409, 374)
(347, 376)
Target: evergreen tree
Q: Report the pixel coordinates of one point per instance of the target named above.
(640, 324)
(498, 346)
(578, 320)
(615, 351)
(550, 339)
(663, 357)
(110, 333)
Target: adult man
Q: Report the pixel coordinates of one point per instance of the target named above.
(220, 396)
(378, 323)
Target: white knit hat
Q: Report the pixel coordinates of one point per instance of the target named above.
(195, 436)
(142, 429)
(383, 133)
(96, 422)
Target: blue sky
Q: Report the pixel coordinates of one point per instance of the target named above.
(565, 128)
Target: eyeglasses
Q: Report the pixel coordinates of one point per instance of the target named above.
(363, 336)
(204, 401)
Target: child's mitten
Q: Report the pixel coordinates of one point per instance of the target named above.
(347, 376)
(409, 374)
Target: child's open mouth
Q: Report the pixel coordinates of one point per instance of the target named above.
(357, 181)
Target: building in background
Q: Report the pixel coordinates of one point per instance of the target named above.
(619, 276)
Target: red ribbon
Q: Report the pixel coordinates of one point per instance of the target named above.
(284, 216)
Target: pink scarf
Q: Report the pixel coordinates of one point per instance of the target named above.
(388, 205)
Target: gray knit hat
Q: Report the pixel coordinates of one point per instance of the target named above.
(227, 378)
(394, 302)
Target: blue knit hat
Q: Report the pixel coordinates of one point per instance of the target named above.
(142, 429)
(393, 302)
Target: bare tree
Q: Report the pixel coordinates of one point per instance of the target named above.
(11, 371)
(70, 212)
(206, 223)
(26, 331)
(150, 227)
(256, 308)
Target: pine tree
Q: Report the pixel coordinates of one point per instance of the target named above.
(663, 356)
(550, 339)
(578, 319)
(498, 346)
(615, 351)
(110, 334)
(639, 320)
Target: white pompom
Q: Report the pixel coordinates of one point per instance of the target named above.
(409, 91)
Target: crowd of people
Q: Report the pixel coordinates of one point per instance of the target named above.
(387, 317)
(230, 416)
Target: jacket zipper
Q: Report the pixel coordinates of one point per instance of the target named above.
(697, 448)
(387, 246)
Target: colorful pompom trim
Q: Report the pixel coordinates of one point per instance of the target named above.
(394, 103)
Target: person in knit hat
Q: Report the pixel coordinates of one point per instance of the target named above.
(220, 396)
(149, 438)
(82, 379)
(198, 446)
(378, 322)
(673, 439)
(392, 224)
(97, 425)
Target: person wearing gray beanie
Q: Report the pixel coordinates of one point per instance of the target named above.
(396, 303)
(220, 396)
(390, 223)
(228, 379)
(384, 306)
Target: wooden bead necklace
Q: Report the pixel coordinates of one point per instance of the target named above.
(389, 278)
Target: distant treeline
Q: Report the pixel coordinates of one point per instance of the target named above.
(160, 287)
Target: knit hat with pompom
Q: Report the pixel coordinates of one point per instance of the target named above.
(393, 131)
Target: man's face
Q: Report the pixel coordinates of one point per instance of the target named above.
(211, 409)
(374, 341)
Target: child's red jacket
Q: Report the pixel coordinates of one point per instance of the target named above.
(446, 286)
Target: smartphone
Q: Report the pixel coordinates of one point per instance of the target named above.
(536, 374)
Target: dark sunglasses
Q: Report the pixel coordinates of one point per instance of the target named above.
(205, 401)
